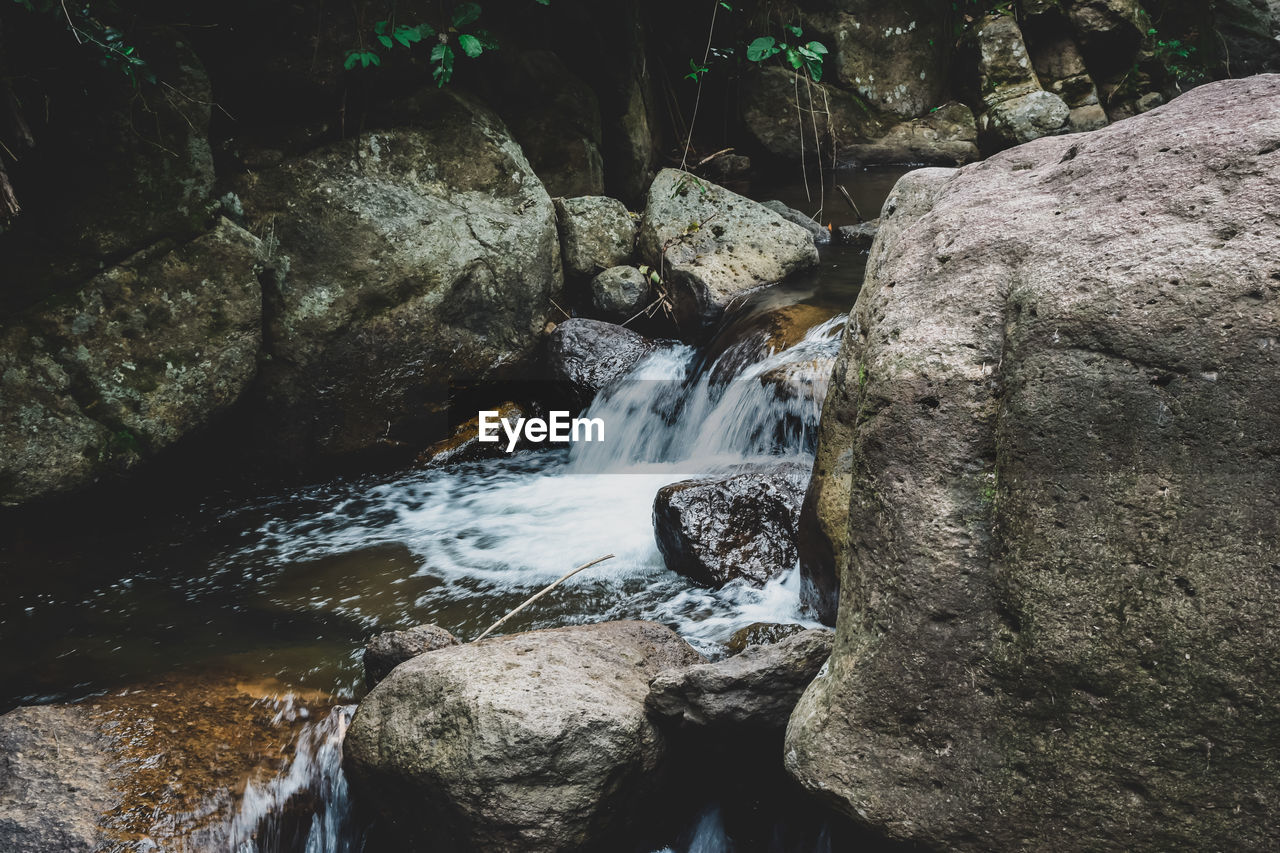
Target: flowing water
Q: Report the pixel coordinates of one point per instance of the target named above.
(289, 585)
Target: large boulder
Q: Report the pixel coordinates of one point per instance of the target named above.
(141, 355)
(742, 525)
(751, 692)
(1018, 109)
(713, 245)
(408, 260)
(534, 741)
(1058, 623)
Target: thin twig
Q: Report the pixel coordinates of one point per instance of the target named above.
(804, 170)
(74, 30)
(538, 595)
(705, 160)
(844, 192)
(567, 315)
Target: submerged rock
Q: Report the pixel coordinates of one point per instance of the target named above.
(619, 293)
(860, 236)
(741, 525)
(596, 234)
(1058, 621)
(821, 235)
(753, 691)
(535, 741)
(163, 762)
(142, 355)
(715, 245)
(388, 650)
(407, 260)
(584, 356)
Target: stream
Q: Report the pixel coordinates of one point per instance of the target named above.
(287, 586)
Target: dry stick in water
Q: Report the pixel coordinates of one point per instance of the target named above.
(538, 595)
(844, 192)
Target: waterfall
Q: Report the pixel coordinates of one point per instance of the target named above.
(306, 807)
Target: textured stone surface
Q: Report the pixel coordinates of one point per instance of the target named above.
(534, 741)
(584, 356)
(144, 353)
(754, 690)
(619, 293)
(388, 650)
(718, 245)
(741, 525)
(1017, 108)
(596, 233)
(407, 259)
(1057, 621)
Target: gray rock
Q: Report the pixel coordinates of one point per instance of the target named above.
(56, 781)
(860, 236)
(411, 259)
(1017, 108)
(389, 649)
(619, 293)
(761, 634)
(140, 356)
(534, 741)
(596, 234)
(715, 245)
(584, 356)
(946, 136)
(741, 525)
(1057, 620)
(465, 444)
(753, 691)
(821, 236)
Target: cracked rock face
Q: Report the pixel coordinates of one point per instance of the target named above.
(1046, 474)
(407, 260)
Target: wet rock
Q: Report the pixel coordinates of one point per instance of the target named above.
(465, 444)
(165, 762)
(408, 259)
(1058, 499)
(821, 236)
(619, 293)
(742, 525)
(534, 741)
(584, 356)
(754, 690)
(596, 234)
(860, 236)
(388, 650)
(750, 338)
(140, 356)
(716, 245)
(761, 634)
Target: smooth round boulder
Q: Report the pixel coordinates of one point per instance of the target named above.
(532, 742)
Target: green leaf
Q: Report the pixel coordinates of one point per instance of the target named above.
(381, 27)
(465, 13)
(386, 41)
(817, 47)
(794, 59)
(353, 57)
(815, 69)
(762, 48)
(470, 45)
(725, 6)
(795, 31)
(543, 2)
